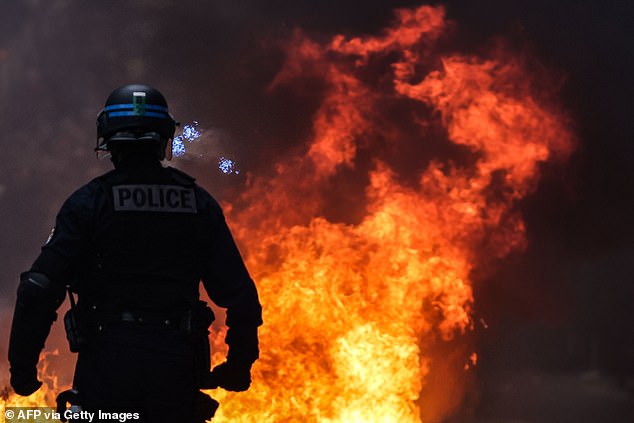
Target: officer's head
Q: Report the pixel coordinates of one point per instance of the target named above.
(135, 120)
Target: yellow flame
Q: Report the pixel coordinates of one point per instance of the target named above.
(354, 311)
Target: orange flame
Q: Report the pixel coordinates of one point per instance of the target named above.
(45, 396)
(353, 310)
(355, 307)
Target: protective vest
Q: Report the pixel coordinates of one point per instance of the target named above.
(145, 242)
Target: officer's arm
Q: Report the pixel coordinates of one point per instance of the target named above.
(38, 298)
(41, 291)
(229, 285)
(244, 315)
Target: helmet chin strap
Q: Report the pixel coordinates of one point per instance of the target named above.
(103, 154)
(168, 149)
(101, 151)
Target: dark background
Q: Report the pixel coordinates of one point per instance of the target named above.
(555, 330)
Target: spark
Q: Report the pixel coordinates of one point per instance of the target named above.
(227, 166)
(178, 147)
(190, 134)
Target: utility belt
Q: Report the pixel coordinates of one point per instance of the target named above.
(83, 324)
(144, 318)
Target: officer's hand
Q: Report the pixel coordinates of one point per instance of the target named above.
(232, 376)
(24, 382)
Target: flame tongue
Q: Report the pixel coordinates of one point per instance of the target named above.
(354, 309)
(348, 307)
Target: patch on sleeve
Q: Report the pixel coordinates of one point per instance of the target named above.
(154, 198)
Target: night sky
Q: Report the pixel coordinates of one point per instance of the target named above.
(559, 342)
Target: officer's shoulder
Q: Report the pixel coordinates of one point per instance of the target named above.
(113, 177)
(83, 196)
(183, 178)
(180, 177)
(204, 199)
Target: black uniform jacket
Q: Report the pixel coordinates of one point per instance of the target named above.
(140, 239)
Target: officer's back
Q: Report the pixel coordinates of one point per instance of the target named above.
(134, 245)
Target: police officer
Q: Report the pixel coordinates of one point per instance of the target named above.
(133, 245)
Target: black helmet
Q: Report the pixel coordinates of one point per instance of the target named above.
(134, 113)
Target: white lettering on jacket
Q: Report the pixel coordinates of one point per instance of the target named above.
(154, 198)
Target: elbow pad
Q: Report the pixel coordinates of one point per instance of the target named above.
(38, 299)
(36, 290)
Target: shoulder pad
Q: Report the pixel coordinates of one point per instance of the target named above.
(180, 176)
(37, 289)
(113, 177)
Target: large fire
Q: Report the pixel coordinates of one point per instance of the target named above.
(363, 270)
(354, 309)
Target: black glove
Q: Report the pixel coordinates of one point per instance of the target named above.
(232, 376)
(24, 382)
(204, 407)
